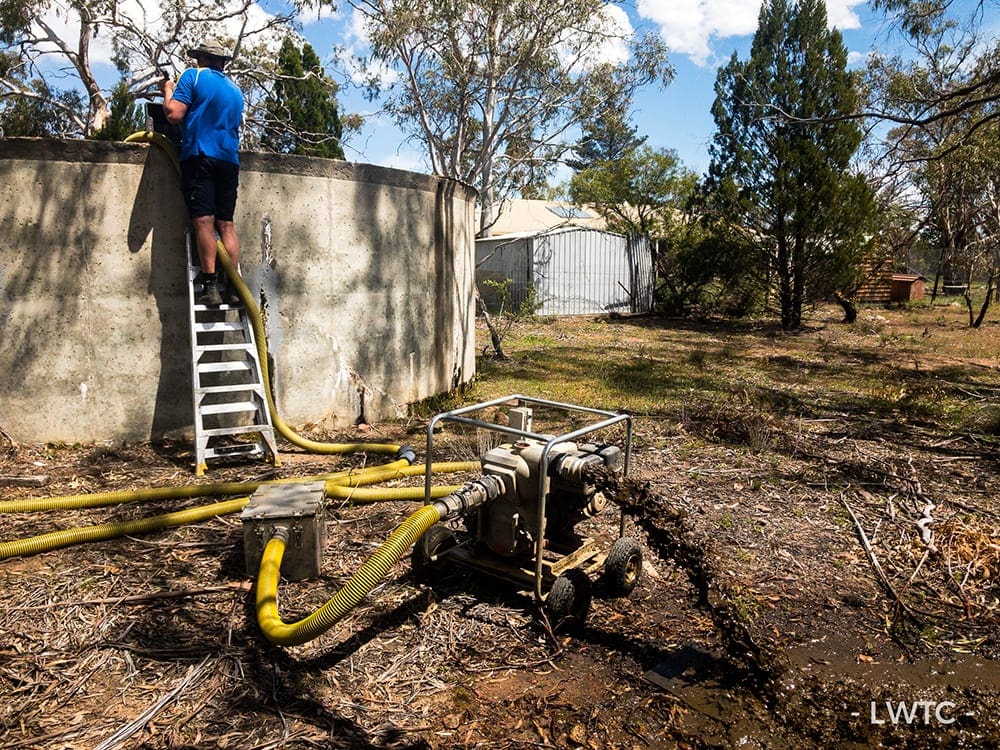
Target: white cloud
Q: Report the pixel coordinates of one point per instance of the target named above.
(691, 27)
(616, 29)
(841, 14)
(310, 16)
(353, 55)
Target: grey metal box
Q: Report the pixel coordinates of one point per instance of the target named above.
(300, 509)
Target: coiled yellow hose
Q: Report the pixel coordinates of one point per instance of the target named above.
(357, 587)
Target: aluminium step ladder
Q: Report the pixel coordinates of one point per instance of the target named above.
(227, 381)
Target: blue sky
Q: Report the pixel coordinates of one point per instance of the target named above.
(701, 34)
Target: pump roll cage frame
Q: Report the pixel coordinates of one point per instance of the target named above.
(459, 416)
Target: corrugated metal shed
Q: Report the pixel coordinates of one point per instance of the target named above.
(573, 270)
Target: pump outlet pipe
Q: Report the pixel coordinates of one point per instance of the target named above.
(373, 570)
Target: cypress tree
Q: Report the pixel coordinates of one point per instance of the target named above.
(782, 154)
(302, 111)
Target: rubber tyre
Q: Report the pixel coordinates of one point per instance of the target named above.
(426, 561)
(622, 568)
(568, 601)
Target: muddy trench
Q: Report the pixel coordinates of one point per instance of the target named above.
(755, 691)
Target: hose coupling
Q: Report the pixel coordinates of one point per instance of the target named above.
(471, 496)
(406, 453)
(279, 532)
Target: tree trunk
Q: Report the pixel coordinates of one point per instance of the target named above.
(990, 291)
(850, 309)
(495, 339)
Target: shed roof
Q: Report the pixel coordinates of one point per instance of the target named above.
(536, 216)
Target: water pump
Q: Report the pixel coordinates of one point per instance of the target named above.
(523, 527)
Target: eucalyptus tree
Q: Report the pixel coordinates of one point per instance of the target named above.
(942, 96)
(492, 89)
(46, 41)
(781, 157)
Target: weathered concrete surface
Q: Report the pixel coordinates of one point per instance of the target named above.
(365, 275)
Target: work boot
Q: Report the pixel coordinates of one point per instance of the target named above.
(209, 296)
(231, 296)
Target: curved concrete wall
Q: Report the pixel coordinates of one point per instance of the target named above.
(365, 275)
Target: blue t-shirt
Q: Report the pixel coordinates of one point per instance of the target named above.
(211, 125)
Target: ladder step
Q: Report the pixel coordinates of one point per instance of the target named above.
(233, 365)
(233, 407)
(222, 451)
(252, 388)
(220, 431)
(203, 308)
(241, 347)
(220, 326)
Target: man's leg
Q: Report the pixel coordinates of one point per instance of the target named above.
(227, 233)
(204, 237)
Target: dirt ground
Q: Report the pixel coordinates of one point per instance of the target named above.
(820, 570)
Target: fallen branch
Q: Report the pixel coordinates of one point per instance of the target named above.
(34, 480)
(139, 598)
(872, 558)
(136, 725)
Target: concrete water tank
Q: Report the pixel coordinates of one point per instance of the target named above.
(364, 275)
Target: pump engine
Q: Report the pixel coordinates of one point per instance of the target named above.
(509, 525)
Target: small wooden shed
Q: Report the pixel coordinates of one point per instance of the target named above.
(907, 287)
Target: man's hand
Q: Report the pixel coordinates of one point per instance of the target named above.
(173, 109)
(167, 88)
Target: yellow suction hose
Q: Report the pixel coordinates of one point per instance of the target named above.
(119, 497)
(105, 531)
(312, 446)
(357, 587)
(243, 291)
(341, 485)
(149, 136)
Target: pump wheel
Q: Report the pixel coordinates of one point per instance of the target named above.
(568, 601)
(622, 567)
(427, 559)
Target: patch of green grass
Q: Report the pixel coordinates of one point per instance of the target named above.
(906, 364)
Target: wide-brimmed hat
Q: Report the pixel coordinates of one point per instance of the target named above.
(210, 49)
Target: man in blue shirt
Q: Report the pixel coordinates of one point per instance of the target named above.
(209, 108)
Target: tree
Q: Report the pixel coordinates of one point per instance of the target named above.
(607, 135)
(492, 88)
(42, 111)
(639, 192)
(124, 117)
(141, 47)
(943, 95)
(781, 156)
(302, 116)
(940, 30)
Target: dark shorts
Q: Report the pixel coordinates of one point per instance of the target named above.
(209, 187)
